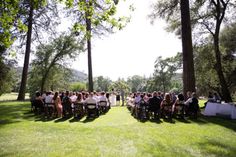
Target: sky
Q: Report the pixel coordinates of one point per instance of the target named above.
(133, 50)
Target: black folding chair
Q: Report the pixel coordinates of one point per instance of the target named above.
(92, 110)
(103, 108)
(78, 110)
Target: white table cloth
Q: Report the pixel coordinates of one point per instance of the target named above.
(216, 108)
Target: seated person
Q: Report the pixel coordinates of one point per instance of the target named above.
(209, 99)
(179, 106)
(216, 98)
(38, 102)
(90, 99)
(48, 98)
(154, 104)
(193, 106)
(102, 97)
(141, 108)
(166, 106)
(66, 104)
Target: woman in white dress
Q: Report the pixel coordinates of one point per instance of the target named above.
(113, 99)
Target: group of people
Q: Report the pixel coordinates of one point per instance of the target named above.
(65, 102)
(144, 105)
(213, 97)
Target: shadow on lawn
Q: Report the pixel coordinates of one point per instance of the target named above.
(202, 120)
(82, 120)
(11, 113)
(214, 147)
(227, 123)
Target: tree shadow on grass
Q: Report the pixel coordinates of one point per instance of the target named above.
(168, 120)
(11, 113)
(88, 119)
(158, 121)
(63, 119)
(214, 147)
(183, 120)
(227, 123)
(75, 119)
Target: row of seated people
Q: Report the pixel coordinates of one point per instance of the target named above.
(157, 107)
(58, 106)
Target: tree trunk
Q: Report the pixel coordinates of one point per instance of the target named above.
(224, 88)
(188, 66)
(88, 33)
(220, 13)
(21, 95)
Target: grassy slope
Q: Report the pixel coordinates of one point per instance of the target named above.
(113, 134)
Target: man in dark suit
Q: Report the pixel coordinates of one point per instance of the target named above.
(154, 105)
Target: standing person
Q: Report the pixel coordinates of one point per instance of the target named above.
(118, 99)
(122, 94)
(108, 100)
(113, 98)
(58, 104)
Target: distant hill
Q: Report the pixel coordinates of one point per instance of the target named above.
(77, 76)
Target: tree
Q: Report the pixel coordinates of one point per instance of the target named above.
(7, 76)
(212, 20)
(94, 18)
(208, 79)
(78, 86)
(10, 25)
(120, 85)
(170, 11)
(164, 71)
(21, 95)
(204, 21)
(101, 83)
(228, 38)
(137, 83)
(187, 49)
(55, 55)
(37, 18)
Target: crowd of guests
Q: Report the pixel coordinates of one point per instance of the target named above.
(64, 103)
(141, 105)
(157, 105)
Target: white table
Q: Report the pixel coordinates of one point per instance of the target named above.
(216, 108)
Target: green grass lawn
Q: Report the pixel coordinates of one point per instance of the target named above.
(116, 133)
(11, 96)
